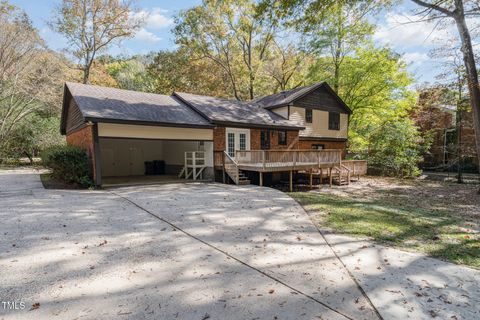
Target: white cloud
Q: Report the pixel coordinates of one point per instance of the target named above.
(405, 30)
(154, 18)
(415, 57)
(147, 36)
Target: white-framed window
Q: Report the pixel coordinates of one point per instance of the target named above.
(231, 144)
(243, 141)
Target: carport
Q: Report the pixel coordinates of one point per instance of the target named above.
(124, 149)
(122, 129)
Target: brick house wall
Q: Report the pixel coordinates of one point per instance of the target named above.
(219, 139)
(307, 144)
(83, 139)
(292, 139)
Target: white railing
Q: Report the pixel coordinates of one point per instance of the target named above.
(231, 167)
(194, 165)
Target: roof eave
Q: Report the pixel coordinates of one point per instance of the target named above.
(257, 125)
(149, 123)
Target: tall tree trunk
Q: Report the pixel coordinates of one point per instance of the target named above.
(472, 73)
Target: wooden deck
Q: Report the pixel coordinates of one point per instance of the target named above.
(282, 160)
(312, 162)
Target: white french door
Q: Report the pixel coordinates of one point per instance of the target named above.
(237, 139)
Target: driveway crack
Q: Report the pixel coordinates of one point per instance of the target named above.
(239, 260)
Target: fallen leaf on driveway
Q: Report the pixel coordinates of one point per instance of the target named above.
(36, 305)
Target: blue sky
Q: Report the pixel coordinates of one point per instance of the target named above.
(413, 40)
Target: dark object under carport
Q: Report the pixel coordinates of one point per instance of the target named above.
(155, 167)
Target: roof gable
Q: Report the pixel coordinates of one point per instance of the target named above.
(316, 96)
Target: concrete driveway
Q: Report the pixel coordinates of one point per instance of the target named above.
(178, 251)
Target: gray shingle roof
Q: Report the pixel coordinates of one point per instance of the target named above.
(286, 97)
(104, 103)
(233, 111)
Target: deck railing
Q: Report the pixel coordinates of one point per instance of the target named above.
(267, 160)
(357, 167)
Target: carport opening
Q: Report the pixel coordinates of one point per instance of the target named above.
(122, 160)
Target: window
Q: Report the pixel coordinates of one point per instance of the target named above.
(265, 139)
(308, 115)
(318, 146)
(282, 138)
(333, 121)
(243, 141)
(231, 144)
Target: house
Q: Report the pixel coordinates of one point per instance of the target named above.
(451, 131)
(121, 130)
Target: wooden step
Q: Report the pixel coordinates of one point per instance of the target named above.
(243, 182)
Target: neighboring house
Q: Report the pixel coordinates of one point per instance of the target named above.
(122, 129)
(444, 123)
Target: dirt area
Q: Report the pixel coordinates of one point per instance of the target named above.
(459, 199)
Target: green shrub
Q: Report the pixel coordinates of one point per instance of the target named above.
(395, 149)
(69, 164)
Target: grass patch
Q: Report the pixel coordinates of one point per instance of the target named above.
(438, 233)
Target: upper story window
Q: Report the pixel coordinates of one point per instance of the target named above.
(308, 115)
(333, 121)
(282, 137)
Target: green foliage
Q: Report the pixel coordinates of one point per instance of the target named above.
(396, 148)
(131, 74)
(69, 164)
(31, 136)
(374, 83)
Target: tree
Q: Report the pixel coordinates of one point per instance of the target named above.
(287, 66)
(395, 148)
(458, 11)
(232, 34)
(339, 32)
(91, 26)
(374, 83)
(131, 73)
(179, 71)
(29, 76)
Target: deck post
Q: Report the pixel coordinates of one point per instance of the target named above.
(321, 179)
(263, 159)
(311, 178)
(330, 175)
(223, 166)
(261, 178)
(194, 162)
(291, 178)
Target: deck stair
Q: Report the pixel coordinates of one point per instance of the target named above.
(232, 170)
(341, 175)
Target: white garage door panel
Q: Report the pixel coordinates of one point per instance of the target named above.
(153, 132)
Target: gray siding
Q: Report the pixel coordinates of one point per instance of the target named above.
(320, 99)
(75, 118)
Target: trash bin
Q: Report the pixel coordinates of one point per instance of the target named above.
(149, 168)
(159, 166)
